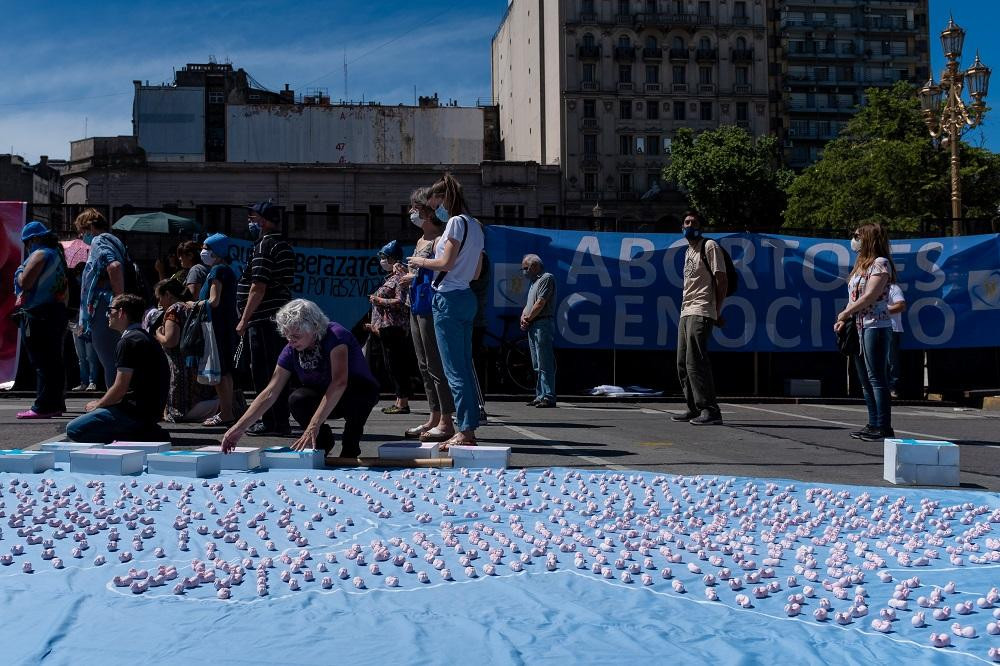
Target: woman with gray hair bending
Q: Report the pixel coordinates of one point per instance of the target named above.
(334, 379)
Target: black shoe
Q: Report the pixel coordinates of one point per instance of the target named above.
(483, 416)
(706, 418)
(869, 428)
(260, 429)
(545, 403)
(685, 417)
(532, 403)
(876, 434)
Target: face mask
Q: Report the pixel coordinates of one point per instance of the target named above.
(416, 221)
(691, 232)
(207, 257)
(855, 245)
(88, 238)
(442, 214)
(254, 229)
(386, 266)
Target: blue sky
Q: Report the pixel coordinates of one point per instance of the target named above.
(69, 65)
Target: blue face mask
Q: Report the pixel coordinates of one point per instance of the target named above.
(88, 238)
(442, 214)
(691, 232)
(254, 229)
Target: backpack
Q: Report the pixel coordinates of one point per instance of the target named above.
(422, 292)
(732, 275)
(134, 282)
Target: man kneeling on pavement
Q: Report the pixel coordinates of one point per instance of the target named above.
(133, 405)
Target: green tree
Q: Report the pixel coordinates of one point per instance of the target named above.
(731, 177)
(884, 166)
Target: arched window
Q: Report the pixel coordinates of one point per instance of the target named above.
(624, 42)
(651, 42)
(679, 43)
(704, 43)
(588, 39)
(741, 44)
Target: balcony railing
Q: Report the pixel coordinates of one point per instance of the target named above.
(741, 55)
(680, 55)
(588, 17)
(679, 87)
(589, 52)
(589, 85)
(652, 87)
(888, 24)
(706, 54)
(706, 88)
(589, 123)
(741, 89)
(625, 53)
(652, 53)
(745, 124)
(625, 86)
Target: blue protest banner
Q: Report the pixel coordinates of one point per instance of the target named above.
(622, 291)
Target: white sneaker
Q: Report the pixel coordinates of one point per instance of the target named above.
(91, 386)
(81, 387)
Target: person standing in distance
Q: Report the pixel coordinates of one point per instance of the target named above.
(264, 287)
(704, 290)
(536, 319)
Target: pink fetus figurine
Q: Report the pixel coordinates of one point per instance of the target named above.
(940, 640)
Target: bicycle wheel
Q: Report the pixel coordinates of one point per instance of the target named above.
(517, 365)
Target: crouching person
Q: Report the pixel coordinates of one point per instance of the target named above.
(133, 405)
(333, 376)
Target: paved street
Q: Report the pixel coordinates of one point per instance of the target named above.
(803, 442)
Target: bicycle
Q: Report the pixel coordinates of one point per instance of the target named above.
(512, 358)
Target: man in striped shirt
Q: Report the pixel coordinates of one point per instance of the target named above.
(263, 288)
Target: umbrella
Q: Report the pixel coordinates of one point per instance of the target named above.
(156, 223)
(76, 252)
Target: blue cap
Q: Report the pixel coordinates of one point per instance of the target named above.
(218, 244)
(33, 229)
(267, 210)
(392, 250)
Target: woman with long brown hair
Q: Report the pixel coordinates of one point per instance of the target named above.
(868, 309)
(456, 263)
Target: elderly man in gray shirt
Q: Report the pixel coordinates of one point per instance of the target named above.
(537, 320)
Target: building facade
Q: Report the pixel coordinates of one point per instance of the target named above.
(600, 86)
(32, 183)
(829, 52)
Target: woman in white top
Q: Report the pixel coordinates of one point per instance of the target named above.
(456, 262)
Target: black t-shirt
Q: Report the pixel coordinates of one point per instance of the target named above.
(139, 352)
(272, 263)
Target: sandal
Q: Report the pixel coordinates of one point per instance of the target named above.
(457, 440)
(416, 431)
(217, 421)
(436, 435)
(395, 409)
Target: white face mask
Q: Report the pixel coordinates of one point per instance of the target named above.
(416, 221)
(207, 257)
(386, 266)
(855, 245)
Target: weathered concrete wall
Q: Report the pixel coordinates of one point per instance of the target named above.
(170, 123)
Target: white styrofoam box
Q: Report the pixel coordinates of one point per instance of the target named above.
(242, 458)
(920, 462)
(63, 449)
(282, 457)
(145, 447)
(198, 464)
(107, 460)
(26, 462)
(403, 450)
(804, 388)
(479, 456)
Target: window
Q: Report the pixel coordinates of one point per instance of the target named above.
(651, 6)
(704, 44)
(589, 144)
(625, 144)
(651, 43)
(588, 7)
(704, 9)
(623, 7)
(589, 108)
(680, 74)
(679, 44)
(624, 73)
(590, 182)
(742, 76)
(640, 145)
(706, 110)
(624, 42)
(589, 72)
(652, 110)
(332, 217)
(741, 44)
(625, 109)
(653, 144)
(680, 111)
(625, 182)
(742, 111)
(588, 40)
(652, 73)
(740, 9)
(299, 217)
(705, 75)
(216, 97)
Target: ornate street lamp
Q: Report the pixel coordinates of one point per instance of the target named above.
(598, 213)
(946, 115)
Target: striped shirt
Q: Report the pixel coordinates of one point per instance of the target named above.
(271, 262)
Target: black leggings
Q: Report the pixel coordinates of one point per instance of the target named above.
(398, 354)
(354, 407)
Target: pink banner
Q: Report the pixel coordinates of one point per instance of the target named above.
(11, 222)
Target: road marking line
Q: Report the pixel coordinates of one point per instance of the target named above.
(900, 412)
(562, 447)
(840, 423)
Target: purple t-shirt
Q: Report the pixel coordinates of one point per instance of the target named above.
(312, 366)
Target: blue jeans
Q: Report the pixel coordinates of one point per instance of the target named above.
(87, 355)
(872, 365)
(107, 424)
(453, 315)
(105, 341)
(543, 357)
(894, 341)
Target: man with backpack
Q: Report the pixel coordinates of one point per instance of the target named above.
(706, 285)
